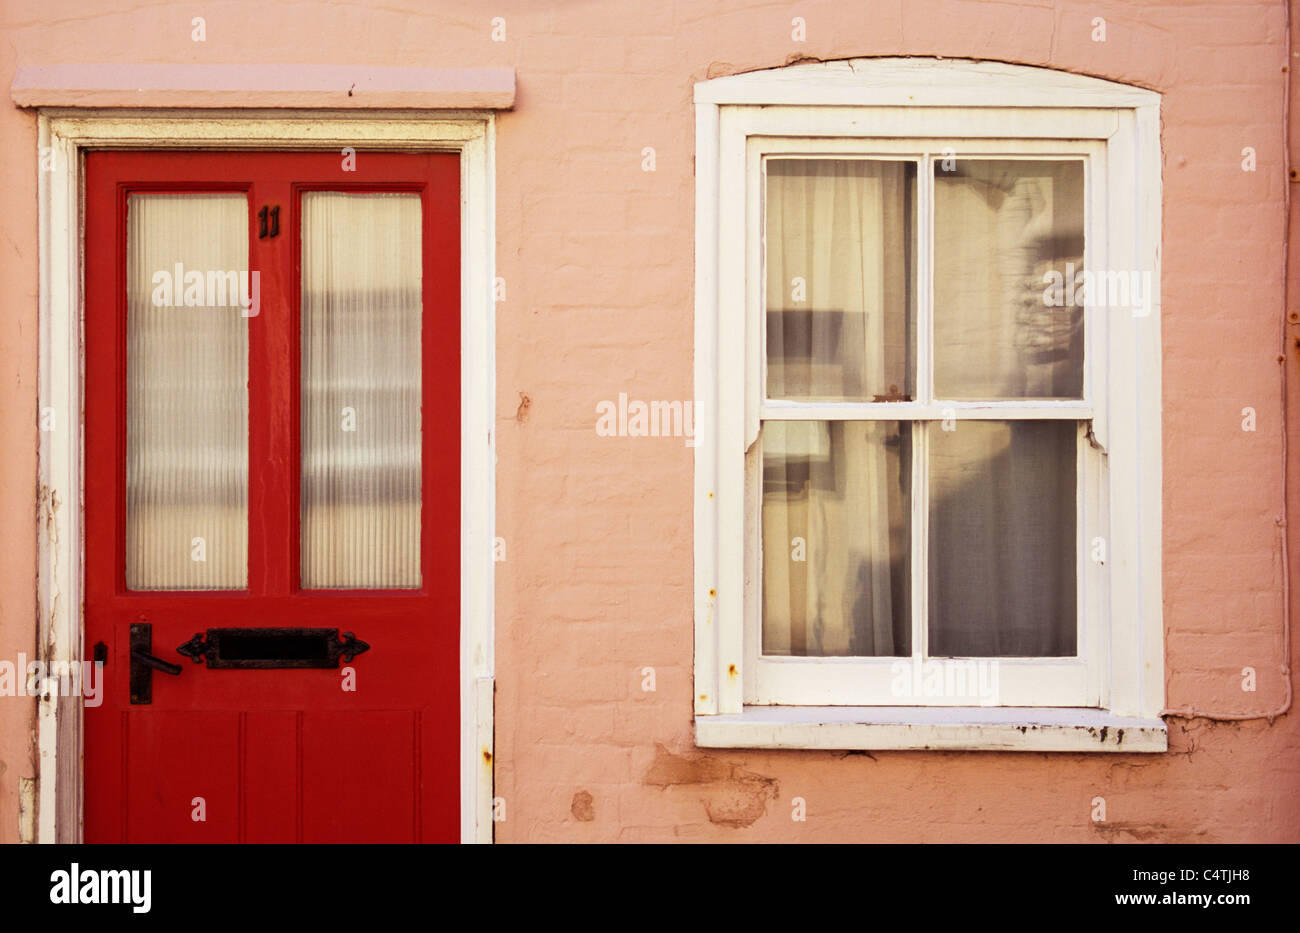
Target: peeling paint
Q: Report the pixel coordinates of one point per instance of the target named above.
(800, 58)
(583, 808)
(1148, 832)
(26, 810)
(855, 752)
(731, 795)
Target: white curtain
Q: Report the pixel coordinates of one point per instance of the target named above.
(362, 276)
(839, 237)
(835, 504)
(187, 393)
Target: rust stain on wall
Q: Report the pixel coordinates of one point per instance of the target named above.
(731, 795)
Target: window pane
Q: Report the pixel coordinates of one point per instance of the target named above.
(187, 392)
(836, 538)
(840, 237)
(361, 463)
(1002, 539)
(1001, 229)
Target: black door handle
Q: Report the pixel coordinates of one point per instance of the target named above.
(143, 664)
(158, 664)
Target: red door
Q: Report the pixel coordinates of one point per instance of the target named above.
(272, 476)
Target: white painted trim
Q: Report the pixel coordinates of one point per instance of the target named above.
(891, 106)
(1047, 135)
(706, 395)
(892, 129)
(67, 135)
(918, 82)
(59, 457)
(906, 727)
(938, 410)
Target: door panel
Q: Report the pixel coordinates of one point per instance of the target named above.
(341, 754)
(177, 762)
(194, 411)
(270, 764)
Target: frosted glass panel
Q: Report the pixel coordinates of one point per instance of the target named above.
(187, 392)
(361, 308)
(1008, 247)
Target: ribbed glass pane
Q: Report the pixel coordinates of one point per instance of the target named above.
(187, 392)
(361, 464)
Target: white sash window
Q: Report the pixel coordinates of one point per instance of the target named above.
(927, 507)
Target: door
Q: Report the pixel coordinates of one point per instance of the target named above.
(272, 474)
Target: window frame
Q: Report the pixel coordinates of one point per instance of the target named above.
(889, 105)
(858, 681)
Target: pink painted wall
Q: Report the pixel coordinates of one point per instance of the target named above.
(598, 259)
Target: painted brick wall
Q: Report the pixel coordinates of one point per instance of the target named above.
(597, 256)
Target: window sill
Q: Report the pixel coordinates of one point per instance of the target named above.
(1007, 729)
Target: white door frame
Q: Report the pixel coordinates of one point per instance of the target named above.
(64, 137)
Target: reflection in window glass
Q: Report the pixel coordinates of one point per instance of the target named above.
(1002, 229)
